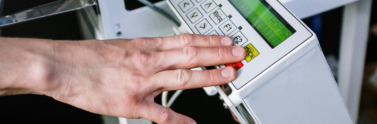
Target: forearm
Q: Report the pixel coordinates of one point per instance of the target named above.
(23, 65)
(116, 77)
(40, 66)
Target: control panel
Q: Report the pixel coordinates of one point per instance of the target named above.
(265, 28)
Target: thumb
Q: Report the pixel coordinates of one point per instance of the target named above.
(163, 115)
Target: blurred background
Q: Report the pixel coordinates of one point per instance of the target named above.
(194, 103)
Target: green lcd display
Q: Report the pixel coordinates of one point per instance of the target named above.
(268, 23)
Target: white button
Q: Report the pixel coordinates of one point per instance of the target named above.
(186, 5)
(214, 32)
(194, 15)
(199, 1)
(217, 16)
(208, 6)
(228, 27)
(203, 26)
(239, 39)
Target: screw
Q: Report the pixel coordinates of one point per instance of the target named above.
(225, 106)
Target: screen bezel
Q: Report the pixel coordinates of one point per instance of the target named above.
(275, 13)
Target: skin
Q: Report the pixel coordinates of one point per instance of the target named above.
(116, 77)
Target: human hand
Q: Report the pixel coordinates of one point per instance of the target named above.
(122, 77)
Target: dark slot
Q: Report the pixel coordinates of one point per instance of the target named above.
(134, 4)
(210, 67)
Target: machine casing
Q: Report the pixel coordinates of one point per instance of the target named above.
(299, 88)
(291, 83)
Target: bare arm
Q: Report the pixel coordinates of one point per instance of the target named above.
(23, 64)
(116, 77)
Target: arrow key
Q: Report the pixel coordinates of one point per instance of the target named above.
(203, 26)
(186, 5)
(194, 15)
(208, 5)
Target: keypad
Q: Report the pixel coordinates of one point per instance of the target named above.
(194, 15)
(227, 27)
(251, 52)
(207, 17)
(208, 6)
(203, 26)
(186, 5)
(236, 66)
(239, 39)
(218, 16)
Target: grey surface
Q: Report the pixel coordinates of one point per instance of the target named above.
(303, 93)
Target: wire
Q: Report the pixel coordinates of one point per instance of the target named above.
(177, 31)
(157, 9)
(174, 97)
(165, 99)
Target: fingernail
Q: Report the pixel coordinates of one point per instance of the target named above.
(192, 122)
(227, 72)
(238, 51)
(226, 41)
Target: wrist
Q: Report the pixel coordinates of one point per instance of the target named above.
(24, 66)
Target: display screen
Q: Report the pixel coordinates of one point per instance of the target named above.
(267, 22)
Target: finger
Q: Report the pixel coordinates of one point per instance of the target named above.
(187, 79)
(163, 115)
(191, 57)
(185, 40)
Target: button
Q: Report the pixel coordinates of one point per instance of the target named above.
(214, 32)
(239, 39)
(217, 16)
(236, 66)
(203, 26)
(198, 1)
(186, 5)
(208, 6)
(228, 27)
(251, 52)
(194, 15)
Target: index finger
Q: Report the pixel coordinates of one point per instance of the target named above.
(186, 40)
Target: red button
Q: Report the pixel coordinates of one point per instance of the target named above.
(236, 66)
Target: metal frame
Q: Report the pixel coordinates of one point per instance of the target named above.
(353, 47)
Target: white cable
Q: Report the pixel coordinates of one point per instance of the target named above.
(174, 97)
(164, 98)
